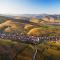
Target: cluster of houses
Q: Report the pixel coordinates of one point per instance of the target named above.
(27, 39)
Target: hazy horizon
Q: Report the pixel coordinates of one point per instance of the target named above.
(29, 7)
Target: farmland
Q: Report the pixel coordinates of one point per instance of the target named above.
(22, 39)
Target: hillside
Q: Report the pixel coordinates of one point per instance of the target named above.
(24, 39)
(21, 51)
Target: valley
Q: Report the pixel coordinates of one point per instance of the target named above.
(28, 38)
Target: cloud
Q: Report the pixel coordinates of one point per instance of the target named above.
(29, 6)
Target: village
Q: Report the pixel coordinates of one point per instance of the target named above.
(27, 39)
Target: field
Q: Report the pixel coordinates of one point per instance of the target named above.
(20, 40)
(21, 51)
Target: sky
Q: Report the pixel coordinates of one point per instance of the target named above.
(29, 6)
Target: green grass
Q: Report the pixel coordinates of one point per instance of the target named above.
(46, 50)
(7, 42)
